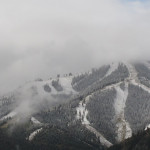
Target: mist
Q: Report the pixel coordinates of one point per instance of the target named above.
(50, 37)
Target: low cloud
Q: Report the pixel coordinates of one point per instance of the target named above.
(43, 38)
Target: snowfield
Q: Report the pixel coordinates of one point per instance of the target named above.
(66, 84)
(123, 128)
(38, 87)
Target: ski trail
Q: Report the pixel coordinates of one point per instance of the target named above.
(102, 139)
(134, 78)
(10, 115)
(35, 121)
(135, 81)
(123, 128)
(33, 134)
(82, 113)
(112, 68)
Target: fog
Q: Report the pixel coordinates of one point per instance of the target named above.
(50, 37)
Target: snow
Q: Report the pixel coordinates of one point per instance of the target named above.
(65, 82)
(132, 72)
(134, 78)
(42, 94)
(100, 136)
(82, 113)
(147, 127)
(10, 115)
(35, 121)
(135, 81)
(33, 134)
(112, 68)
(123, 128)
(142, 86)
(120, 99)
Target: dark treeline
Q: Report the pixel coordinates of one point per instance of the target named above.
(50, 138)
(140, 141)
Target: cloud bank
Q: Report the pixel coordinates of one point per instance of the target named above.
(43, 38)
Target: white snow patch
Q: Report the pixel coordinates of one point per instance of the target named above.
(132, 72)
(123, 128)
(100, 136)
(35, 121)
(33, 134)
(147, 127)
(134, 78)
(65, 82)
(10, 115)
(141, 86)
(82, 113)
(112, 68)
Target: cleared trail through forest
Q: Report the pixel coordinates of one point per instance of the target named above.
(123, 128)
(33, 134)
(134, 78)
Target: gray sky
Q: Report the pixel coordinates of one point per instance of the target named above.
(40, 38)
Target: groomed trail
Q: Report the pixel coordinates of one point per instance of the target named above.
(33, 134)
(123, 128)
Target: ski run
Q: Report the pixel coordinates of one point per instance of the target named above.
(123, 128)
(33, 134)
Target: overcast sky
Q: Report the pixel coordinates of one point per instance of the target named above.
(40, 38)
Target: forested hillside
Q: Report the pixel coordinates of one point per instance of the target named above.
(140, 141)
(93, 110)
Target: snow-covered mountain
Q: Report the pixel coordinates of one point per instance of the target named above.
(104, 106)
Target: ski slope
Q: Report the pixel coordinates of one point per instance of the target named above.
(10, 115)
(82, 113)
(113, 67)
(35, 121)
(33, 134)
(123, 128)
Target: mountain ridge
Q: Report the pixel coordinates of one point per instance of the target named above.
(98, 102)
